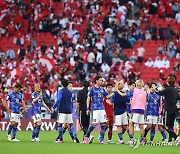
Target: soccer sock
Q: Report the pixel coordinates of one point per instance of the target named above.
(37, 131)
(131, 136)
(102, 132)
(152, 134)
(163, 134)
(74, 130)
(60, 131)
(64, 130)
(110, 133)
(10, 129)
(34, 133)
(146, 131)
(90, 129)
(120, 136)
(14, 132)
(142, 139)
(70, 129)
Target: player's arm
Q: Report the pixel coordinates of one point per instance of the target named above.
(119, 92)
(88, 105)
(112, 100)
(78, 101)
(162, 92)
(58, 99)
(24, 106)
(109, 95)
(5, 104)
(37, 98)
(43, 104)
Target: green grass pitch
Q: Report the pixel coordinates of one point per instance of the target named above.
(47, 145)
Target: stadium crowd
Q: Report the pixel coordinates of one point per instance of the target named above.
(90, 37)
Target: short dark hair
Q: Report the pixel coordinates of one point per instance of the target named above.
(131, 82)
(64, 83)
(70, 82)
(165, 85)
(171, 81)
(85, 83)
(109, 84)
(150, 85)
(97, 78)
(18, 85)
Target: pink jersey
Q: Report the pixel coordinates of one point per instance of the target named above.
(139, 99)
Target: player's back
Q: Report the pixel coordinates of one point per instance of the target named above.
(119, 103)
(66, 101)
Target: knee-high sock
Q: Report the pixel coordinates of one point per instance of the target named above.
(90, 129)
(163, 134)
(71, 133)
(14, 132)
(34, 132)
(120, 136)
(37, 131)
(146, 131)
(152, 134)
(10, 129)
(102, 133)
(60, 131)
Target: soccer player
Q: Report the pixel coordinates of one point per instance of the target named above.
(74, 136)
(64, 104)
(81, 106)
(171, 96)
(138, 105)
(110, 113)
(152, 113)
(129, 94)
(96, 96)
(119, 104)
(37, 102)
(15, 99)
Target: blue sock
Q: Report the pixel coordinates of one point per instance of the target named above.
(10, 129)
(14, 132)
(131, 136)
(34, 132)
(71, 133)
(74, 130)
(90, 129)
(102, 132)
(64, 130)
(163, 134)
(142, 139)
(37, 131)
(152, 134)
(60, 131)
(120, 136)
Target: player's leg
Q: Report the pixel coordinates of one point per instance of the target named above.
(103, 122)
(120, 134)
(65, 127)
(92, 126)
(141, 126)
(38, 128)
(15, 120)
(162, 131)
(152, 133)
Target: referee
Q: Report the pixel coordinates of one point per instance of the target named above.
(171, 96)
(81, 105)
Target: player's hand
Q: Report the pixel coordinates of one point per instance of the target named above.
(41, 92)
(52, 110)
(87, 112)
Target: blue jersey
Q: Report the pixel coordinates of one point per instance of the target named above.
(129, 94)
(36, 106)
(153, 104)
(14, 101)
(97, 97)
(119, 103)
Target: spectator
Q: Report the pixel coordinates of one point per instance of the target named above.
(154, 32)
(168, 32)
(177, 17)
(165, 63)
(172, 52)
(160, 49)
(148, 35)
(91, 60)
(176, 66)
(10, 54)
(141, 52)
(158, 62)
(161, 75)
(105, 67)
(22, 53)
(149, 63)
(161, 32)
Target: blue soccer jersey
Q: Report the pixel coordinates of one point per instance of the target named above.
(153, 104)
(129, 94)
(36, 106)
(97, 95)
(14, 101)
(119, 103)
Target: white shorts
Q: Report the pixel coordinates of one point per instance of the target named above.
(138, 118)
(121, 119)
(65, 118)
(36, 118)
(160, 120)
(15, 117)
(151, 119)
(129, 116)
(99, 116)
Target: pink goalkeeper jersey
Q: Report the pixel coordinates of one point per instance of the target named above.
(139, 99)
